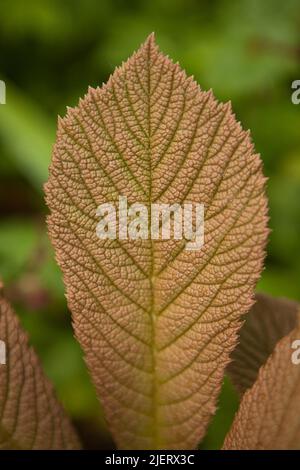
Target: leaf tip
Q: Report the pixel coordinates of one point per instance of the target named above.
(149, 44)
(151, 38)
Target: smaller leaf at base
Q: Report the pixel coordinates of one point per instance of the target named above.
(30, 416)
(269, 320)
(269, 414)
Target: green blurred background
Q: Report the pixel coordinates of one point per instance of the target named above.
(248, 51)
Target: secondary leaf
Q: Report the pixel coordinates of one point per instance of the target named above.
(269, 414)
(157, 322)
(30, 416)
(269, 320)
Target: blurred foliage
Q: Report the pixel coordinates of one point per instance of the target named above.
(247, 51)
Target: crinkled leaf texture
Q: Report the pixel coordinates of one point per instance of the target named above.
(269, 414)
(30, 415)
(269, 320)
(157, 322)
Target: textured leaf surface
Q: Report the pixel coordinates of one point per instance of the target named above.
(30, 416)
(157, 322)
(269, 414)
(269, 320)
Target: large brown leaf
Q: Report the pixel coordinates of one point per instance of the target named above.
(269, 320)
(157, 322)
(30, 416)
(269, 414)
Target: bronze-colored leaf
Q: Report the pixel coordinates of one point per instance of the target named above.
(269, 414)
(157, 322)
(30, 416)
(269, 320)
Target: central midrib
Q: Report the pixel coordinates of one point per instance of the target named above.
(154, 431)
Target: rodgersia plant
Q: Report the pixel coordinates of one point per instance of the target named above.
(159, 323)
